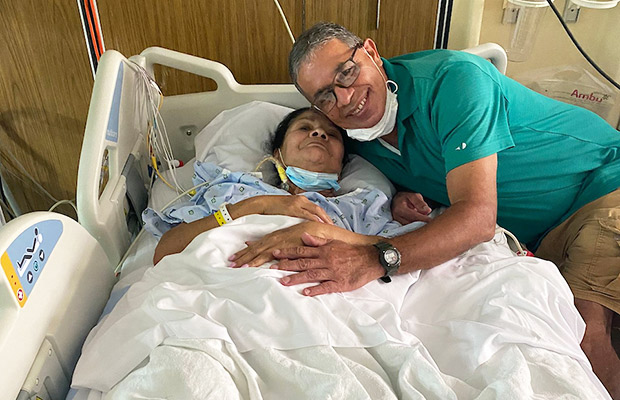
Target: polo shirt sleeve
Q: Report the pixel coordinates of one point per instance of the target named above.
(469, 114)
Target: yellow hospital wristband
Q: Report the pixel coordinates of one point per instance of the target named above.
(219, 217)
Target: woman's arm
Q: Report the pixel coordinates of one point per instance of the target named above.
(261, 251)
(177, 238)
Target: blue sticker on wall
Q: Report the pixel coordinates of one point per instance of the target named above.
(26, 257)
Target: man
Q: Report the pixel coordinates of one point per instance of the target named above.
(448, 125)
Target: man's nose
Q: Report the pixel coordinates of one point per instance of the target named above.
(343, 95)
(318, 133)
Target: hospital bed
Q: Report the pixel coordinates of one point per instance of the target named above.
(482, 322)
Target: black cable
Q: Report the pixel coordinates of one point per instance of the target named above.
(583, 53)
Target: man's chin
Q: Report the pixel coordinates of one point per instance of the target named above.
(359, 124)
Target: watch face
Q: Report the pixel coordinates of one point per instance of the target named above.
(391, 256)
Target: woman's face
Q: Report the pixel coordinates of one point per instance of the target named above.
(313, 143)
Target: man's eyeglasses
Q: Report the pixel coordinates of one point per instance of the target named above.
(348, 72)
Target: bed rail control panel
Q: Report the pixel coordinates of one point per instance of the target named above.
(54, 282)
(25, 258)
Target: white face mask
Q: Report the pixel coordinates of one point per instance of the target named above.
(386, 124)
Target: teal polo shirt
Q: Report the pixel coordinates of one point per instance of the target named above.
(454, 108)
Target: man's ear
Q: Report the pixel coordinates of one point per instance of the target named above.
(371, 48)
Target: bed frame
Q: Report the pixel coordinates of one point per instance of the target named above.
(50, 297)
(116, 126)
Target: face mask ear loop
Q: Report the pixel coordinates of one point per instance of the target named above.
(385, 79)
(394, 84)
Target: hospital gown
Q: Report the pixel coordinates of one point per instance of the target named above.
(363, 211)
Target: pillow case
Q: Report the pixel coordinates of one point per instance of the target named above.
(236, 139)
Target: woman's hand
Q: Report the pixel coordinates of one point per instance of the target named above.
(408, 207)
(261, 251)
(293, 206)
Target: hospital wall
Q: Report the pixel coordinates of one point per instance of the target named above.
(480, 21)
(46, 79)
(250, 38)
(45, 86)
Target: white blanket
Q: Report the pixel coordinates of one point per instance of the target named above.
(487, 324)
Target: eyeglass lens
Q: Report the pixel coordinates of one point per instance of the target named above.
(344, 78)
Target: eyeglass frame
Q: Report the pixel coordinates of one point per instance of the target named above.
(330, 88)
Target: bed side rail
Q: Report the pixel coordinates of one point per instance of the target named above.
(492, 52)
(115, 129)
(54, 283)
(185, 115)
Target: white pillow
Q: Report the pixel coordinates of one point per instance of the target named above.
(236, 139)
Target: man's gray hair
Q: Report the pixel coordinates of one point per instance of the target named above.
(314, 38)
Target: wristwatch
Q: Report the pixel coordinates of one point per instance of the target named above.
(389, 257)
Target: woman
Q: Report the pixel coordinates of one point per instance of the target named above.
(311, 148)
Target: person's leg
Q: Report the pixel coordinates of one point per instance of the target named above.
(597, 344)
(586, 248)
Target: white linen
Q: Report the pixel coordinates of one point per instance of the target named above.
(195, 294)
(213, 369)
(237, 139)
(487, 324)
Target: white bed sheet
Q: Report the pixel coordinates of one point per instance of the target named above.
(487, 324)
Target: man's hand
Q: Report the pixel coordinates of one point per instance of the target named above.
(336, 265)
(408, 207)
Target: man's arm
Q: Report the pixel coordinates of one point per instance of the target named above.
(470, 220)
(176, 239)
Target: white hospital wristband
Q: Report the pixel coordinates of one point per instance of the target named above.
(224, 211)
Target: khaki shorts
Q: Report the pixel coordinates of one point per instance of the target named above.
(586, 248)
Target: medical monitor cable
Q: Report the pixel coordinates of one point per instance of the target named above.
(157, 140)
(581, 50)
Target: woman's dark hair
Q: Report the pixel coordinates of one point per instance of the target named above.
(280, 133)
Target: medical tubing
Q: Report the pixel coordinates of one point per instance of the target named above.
(5, 207)
(60, 202)
(25, 172)
(279, 167)
(286, 24)
(4, 197)
(581, 50)
(520, 250)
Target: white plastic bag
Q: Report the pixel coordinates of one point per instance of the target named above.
(574, 85)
